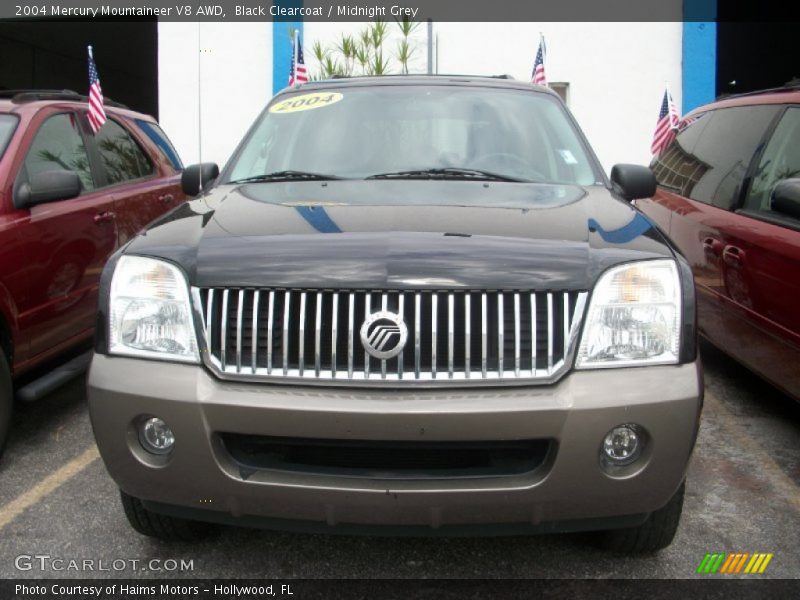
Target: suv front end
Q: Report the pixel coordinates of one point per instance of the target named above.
(485, 369)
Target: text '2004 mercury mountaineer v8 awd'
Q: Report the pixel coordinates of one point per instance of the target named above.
(407, 304)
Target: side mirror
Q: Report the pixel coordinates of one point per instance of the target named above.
(195, 178)
(48, 186)
(633, 181)
(786, 198)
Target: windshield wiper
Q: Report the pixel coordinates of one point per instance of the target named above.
(447, 173)
(287, 175)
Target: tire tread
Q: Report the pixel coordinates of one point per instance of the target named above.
(654, 534)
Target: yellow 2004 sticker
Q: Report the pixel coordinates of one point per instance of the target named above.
(305, 102)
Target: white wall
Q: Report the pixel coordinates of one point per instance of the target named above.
(616, 71)
(235, 76)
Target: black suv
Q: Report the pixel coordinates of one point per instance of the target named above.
(406, 301)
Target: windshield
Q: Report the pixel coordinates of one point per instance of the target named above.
(398, 131)
(8, 123)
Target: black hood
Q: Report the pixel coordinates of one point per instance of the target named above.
(393, 234)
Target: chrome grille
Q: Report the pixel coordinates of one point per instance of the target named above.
(456, 337)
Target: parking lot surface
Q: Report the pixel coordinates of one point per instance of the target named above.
(743, 495)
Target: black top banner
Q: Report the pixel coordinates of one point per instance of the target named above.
(414, 10)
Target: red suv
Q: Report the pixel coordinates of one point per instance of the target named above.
(729, 197)
(68, 199)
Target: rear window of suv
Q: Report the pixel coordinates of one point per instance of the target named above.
(8, 123)
(160, 139)
(709, 158)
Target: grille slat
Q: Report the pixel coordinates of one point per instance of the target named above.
(467, 341)
(270, 315)
(209, 310)
(402, 313)
(367, 312)
(224, 329)
(297, 328)
(351, 310)
(549, 329)
(565, 316)
(254, 332)
(384, 307)
(484, 337)
(516, 336)
(302, 337)
(287, 297)
(239, 310)
(434, 337)
(318, 335)
(534, 341)
(451, 309)
(334, 331)
(501, 346)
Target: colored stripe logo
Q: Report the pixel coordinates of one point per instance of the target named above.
(734, 563)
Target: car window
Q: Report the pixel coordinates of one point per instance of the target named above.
(8, 123)
(160, 139)
(58, 145)
(121, 156)
(780, 160)
(364, 131)
(708, 159)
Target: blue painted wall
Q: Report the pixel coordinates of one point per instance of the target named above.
(699, 53)
(282, 44)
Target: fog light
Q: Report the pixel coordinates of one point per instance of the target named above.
(156, 437)
(622, 445)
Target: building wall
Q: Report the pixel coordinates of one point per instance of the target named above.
(616, 74)
(616, 71)
(228, 67)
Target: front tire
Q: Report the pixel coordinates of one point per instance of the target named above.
(6, 400)
(654, 534)
(162, 527)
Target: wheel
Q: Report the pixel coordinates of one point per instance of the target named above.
(654, 534)
(6, 400)
(162, 527)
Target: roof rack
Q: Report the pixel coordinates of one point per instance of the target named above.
(790, 86)
(336, 76)
(22, 96)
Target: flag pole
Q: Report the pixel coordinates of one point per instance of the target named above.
(296, 54)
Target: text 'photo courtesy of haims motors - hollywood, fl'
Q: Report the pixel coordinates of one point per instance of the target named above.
(316, 299)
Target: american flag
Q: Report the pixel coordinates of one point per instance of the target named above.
(667, 126)
(97, 115)
(297, 72)
(537, 76)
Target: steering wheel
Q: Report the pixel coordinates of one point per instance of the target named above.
(493, 160)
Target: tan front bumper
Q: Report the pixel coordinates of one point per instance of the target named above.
(577, 412)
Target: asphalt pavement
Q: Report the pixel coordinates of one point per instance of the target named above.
(743, 495)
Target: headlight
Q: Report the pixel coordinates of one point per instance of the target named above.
(150, 311)
(634, 317)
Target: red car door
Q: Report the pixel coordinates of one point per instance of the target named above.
(701, 179)
(141, 188)
(761, 266)
(64, 243)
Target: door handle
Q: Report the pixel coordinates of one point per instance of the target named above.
(733, 256)
(104, 217)
(712, 245)
(166, 198)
